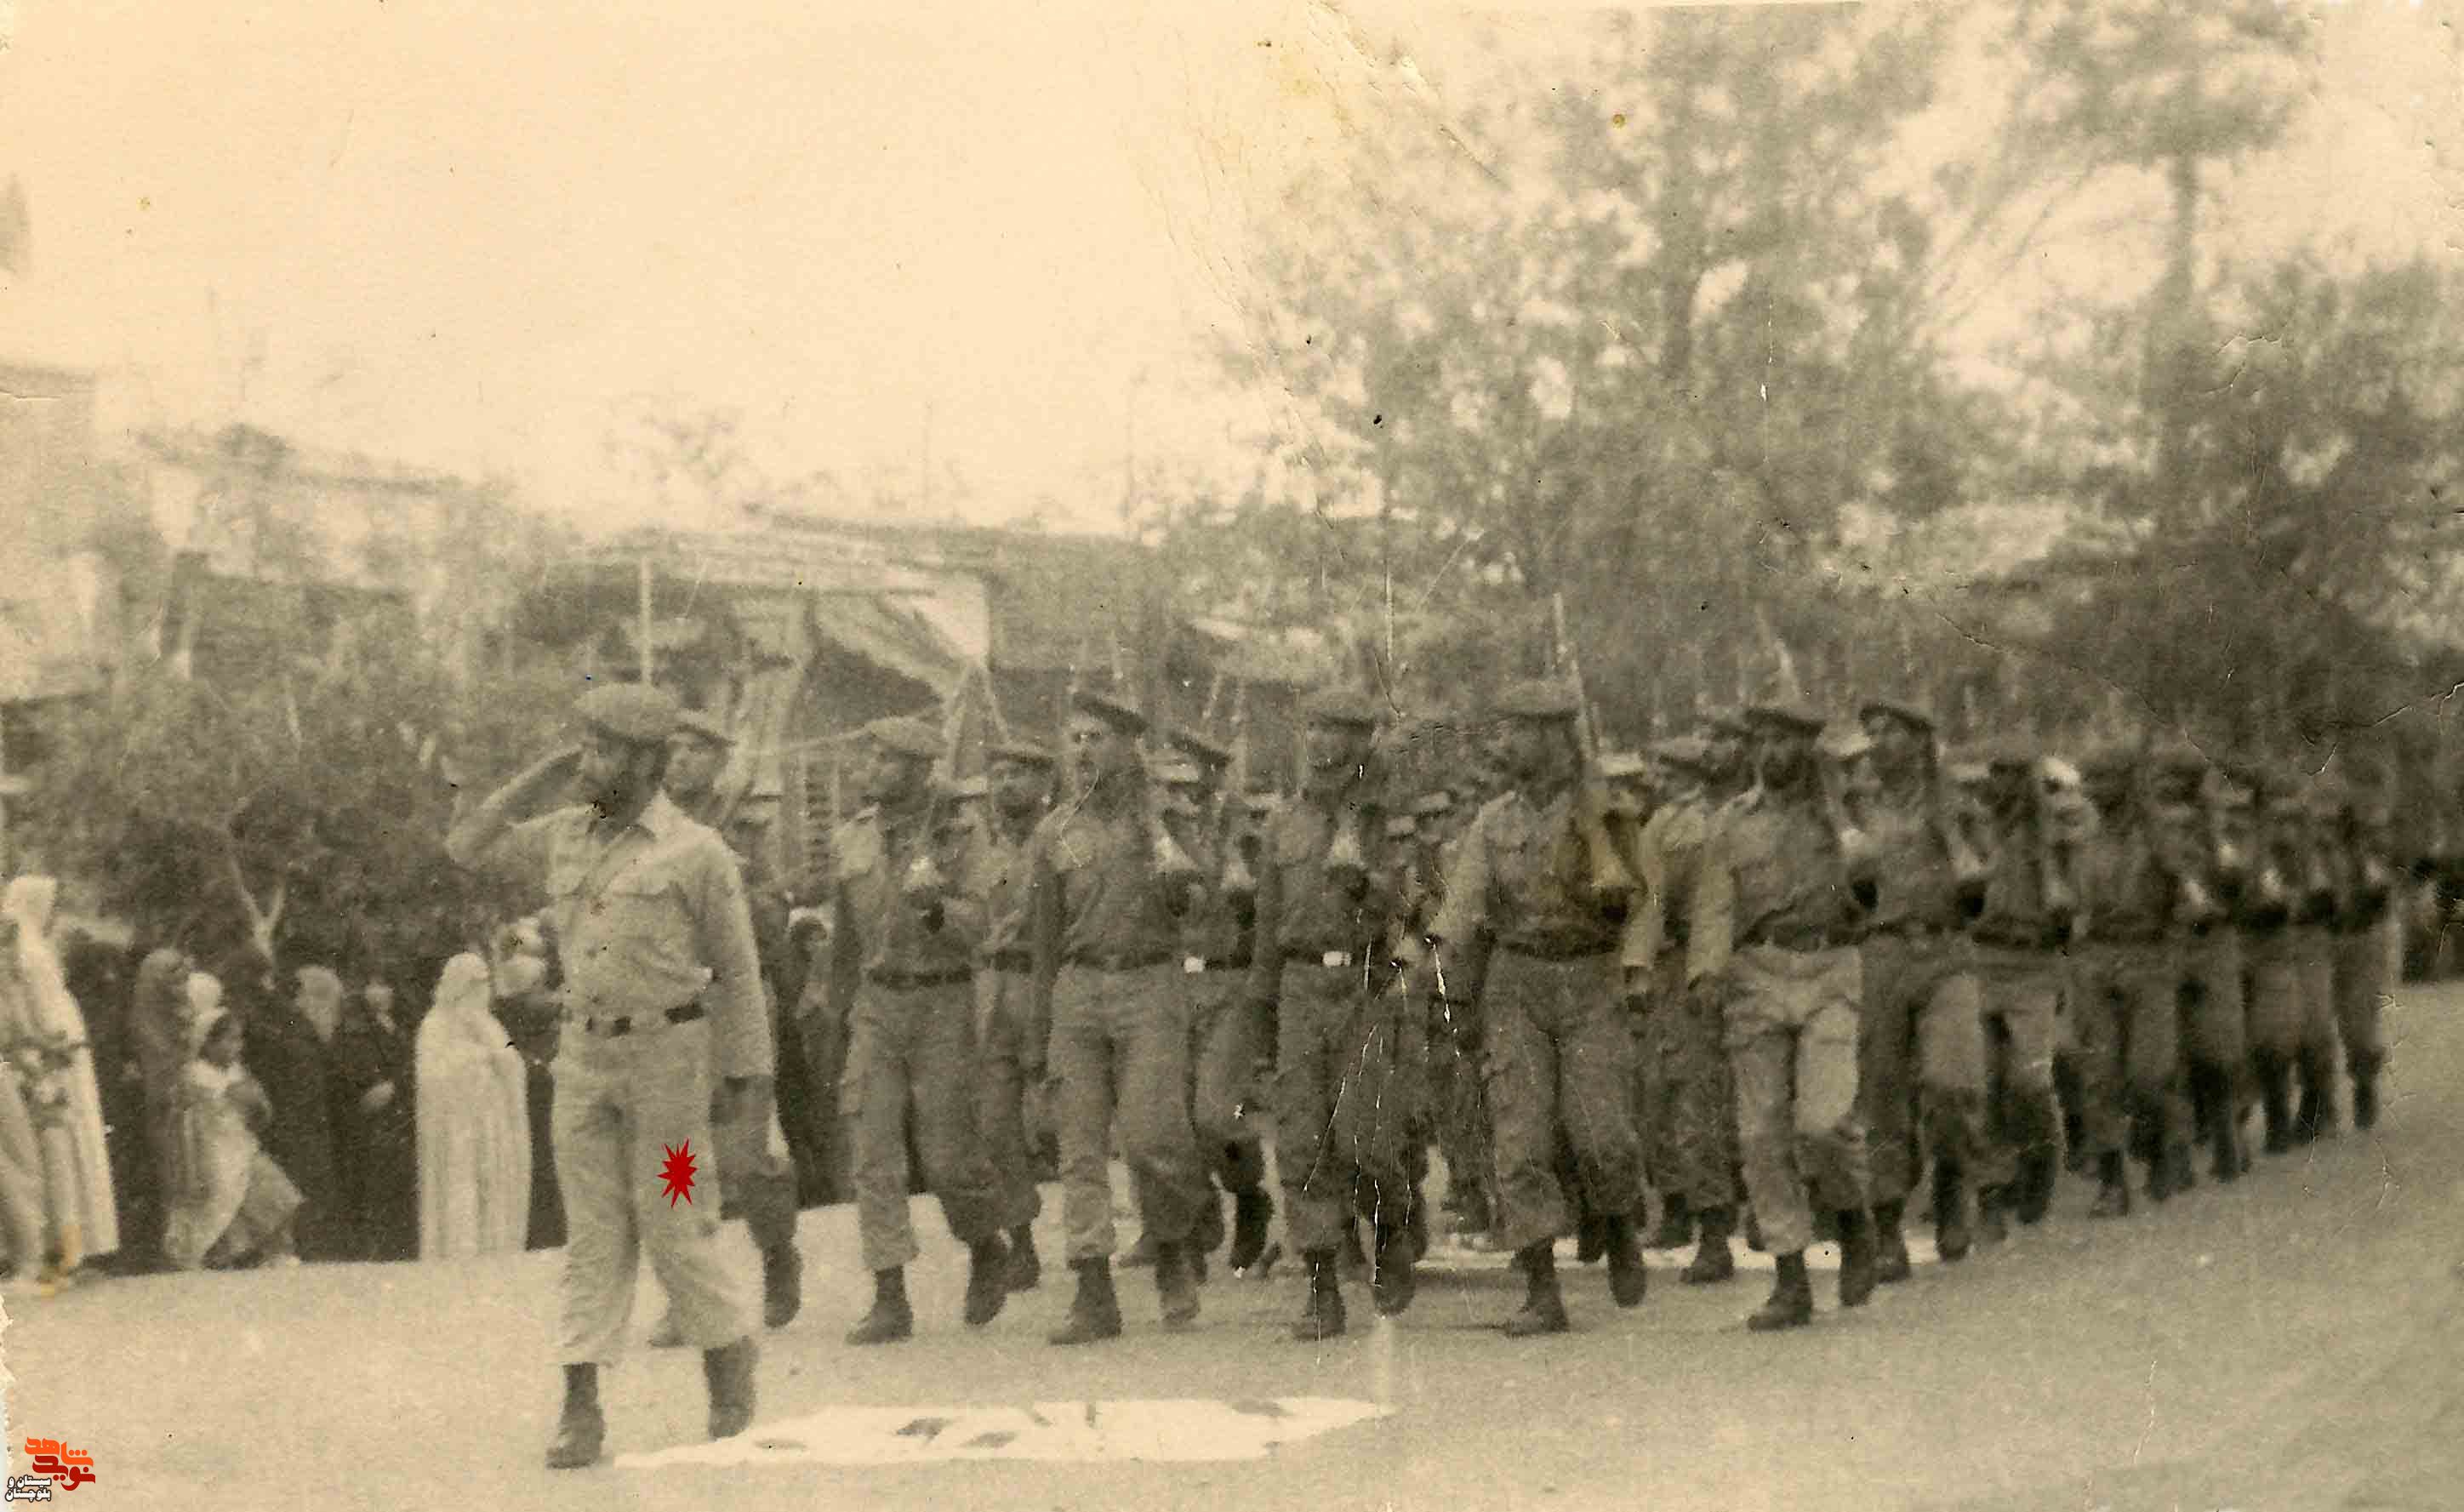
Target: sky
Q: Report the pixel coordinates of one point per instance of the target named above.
(468, 236)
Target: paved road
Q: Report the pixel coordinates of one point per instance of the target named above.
(2296, 1343)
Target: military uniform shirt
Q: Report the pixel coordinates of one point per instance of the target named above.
(874, 852)
(1094, 893)
(1914, 884)
(1772, 868)
(1516, 880)
(1302, 913)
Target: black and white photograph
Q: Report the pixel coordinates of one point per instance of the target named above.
(1321, 755)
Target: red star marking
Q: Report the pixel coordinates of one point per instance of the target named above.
(677, 1172)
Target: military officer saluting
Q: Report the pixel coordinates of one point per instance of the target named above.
(1011, 1114)
(666, 1035)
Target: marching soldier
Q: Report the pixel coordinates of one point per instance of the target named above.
(1348, 1048)
(1788, 877)
(1690, 1112)
(1920, 1062)
(1459, 1104)
(2361, 955)
(666, 1036)
(2283, 1025)
(1012, 1117)
(2215, 1009)
(754, 1167)
(1110, 887)
(2314, 933)
(905, 929)
(1540, 889)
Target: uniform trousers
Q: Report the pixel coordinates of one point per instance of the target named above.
(1010, 1049)
(1920, 1059)
(1120, 1046)
(2292, 987)
(1559, 1057)
(2362, 964)
(1225, 1033)
(1349, 1060)
(621, 1105)
(758, 1176)
(2215, 1020)
(1792, 1036)
(2020, 992)
(912, 1056)
(1688, 1102)
(2130, 1037)
(1458, 1105)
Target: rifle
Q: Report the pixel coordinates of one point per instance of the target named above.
(1605, 869)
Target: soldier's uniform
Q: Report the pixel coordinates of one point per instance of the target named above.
(2318, 940)
(1688, 1105)
(2019, 934)
(1558, 1051)
(1458, 1102)
(1777, 880)
(1349, 1053)
(912, 1063)
(1010, 1039)
(2363, 954)
(662, 997)
(1921, 1048)
(2215, 1082)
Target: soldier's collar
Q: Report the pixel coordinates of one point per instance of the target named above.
(659, 817)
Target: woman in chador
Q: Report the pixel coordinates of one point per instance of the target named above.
(474, 1133)
(232, 1205)
(84, 1218)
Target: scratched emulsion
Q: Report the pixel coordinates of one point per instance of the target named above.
(1160, 1431)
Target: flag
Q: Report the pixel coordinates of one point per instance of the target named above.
(16, 230)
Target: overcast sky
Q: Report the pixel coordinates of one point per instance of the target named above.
(462, 234)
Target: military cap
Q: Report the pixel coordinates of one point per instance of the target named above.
(1843, 741)
(906, 735)
(2003, 753)
(1177, 774)
(2056, 773)
(1619, 766)
(965, 789)
(1727, 721)
(1201, 749)
(1437, 801)
(1787, 716)
(1966, 767)
(1400, 827)
(1337, 706)
(703, 727)
(1025, 753)
(1114, 711)
(631, 711)
(1907, 714)
(1689, 754)
(1538, 699)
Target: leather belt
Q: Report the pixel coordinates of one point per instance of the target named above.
(1118, 963)
(913, 982)
(1200, 965)
(1804, 941)
(614, 1028)
(1555, 951)
(1326, 960)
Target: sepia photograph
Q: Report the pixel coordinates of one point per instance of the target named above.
(1314, 755)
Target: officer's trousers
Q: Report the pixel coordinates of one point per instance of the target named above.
(1559, 1056)
(2362, 967)
(1120, 1046)
(1010, 1049)
(2021, 993)
(1792, 1032)
(2291, 994)
(1225, 1034)
(1920, 1059)
(620, 1106)
(1689, 1101)
(2130, 1026)
(912, 1055)
(1348, 1069)
(2215, 1022)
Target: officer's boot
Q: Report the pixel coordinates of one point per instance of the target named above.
(2224, 1124)
(581, 1429)
(783, 1284)
(1790, 1304)
(2276, 1099)
(1591, 1239)
(1991, 1202)
(1712, 1260)
(1026, 1269)
(2317, 1117)
(1951, 1237)
(1628, 1279)
(1675, 1224)
(1322, 1311)
(2039, 1173)
(987, 1280)
(1391, 1281)
(890, 1319)
(1251, 1212)
(2112, 1187)
(1176, 1285)
(1859, 1257)
(1096, 1313)
(2365, 1092)
(1543, 1306)
(1891, 1264)
(728, 1370)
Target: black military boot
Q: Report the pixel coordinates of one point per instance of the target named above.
(728, 1370)
(783, 1285)
(581, 1429)
(2181, 1172)
(890, 1319)
(2113, 1187)
(1712, 1260)
(1251, 1212)
(2274, 1100)
(1321, 1313)
(1990, 1204)
(1790, 1304)
(2316, 1117)
(1591, 1239)
(1891, 1264)
(1951, 1237)
(1543, 1306)
(2227, 1159)
(2365, 1096)
(1096, 1313)
(1860, 1257)
(1176, 1285)
(1676, 1228)
(1628, 1278)
(2039, 1173)
(1026, 1269)
(987, 1280)
(1390, 1282)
